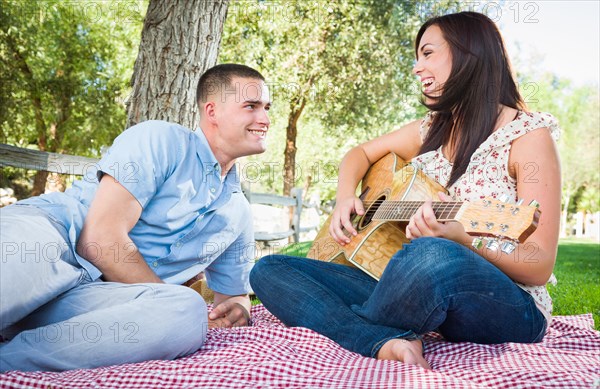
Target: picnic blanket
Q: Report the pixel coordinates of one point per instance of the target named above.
(270, 355)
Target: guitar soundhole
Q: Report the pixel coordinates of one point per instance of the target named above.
(368, 217)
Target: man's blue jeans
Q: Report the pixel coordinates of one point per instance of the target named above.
(432, 284)
(54, 317)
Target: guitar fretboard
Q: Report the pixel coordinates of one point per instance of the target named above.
(403, 210)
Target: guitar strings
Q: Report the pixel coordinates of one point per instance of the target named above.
(393, 209)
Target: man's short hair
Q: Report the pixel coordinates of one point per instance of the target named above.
(218, 78)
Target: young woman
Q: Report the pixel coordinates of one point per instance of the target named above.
(443, 280)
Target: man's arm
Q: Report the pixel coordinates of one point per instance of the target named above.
(230, 311)
(104, 239)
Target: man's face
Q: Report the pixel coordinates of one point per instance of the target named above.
(241, 113)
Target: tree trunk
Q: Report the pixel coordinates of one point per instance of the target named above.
(180, 40)
(39, 180)
(39, 183)
(289, 165)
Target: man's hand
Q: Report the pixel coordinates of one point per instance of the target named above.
(229, 311)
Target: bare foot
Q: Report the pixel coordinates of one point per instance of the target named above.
(407, 351)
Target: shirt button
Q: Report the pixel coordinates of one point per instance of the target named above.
(212, 190)
(155, 263)
(178, 244)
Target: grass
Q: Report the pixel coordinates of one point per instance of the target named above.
(577, 270)
(296, 249)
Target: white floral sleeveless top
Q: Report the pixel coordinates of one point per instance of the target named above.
(488, 171)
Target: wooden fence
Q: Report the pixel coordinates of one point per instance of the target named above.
(81, 166)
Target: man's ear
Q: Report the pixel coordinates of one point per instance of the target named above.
(208, 111)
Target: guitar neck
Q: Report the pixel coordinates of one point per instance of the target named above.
(403, 210)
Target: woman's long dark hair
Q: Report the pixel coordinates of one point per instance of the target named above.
(480, 80)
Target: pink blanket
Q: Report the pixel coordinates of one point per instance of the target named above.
(270, 355)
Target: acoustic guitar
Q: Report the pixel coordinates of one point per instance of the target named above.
(392, 191)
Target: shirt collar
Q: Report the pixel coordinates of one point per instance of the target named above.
(207, 158)
(211, 165)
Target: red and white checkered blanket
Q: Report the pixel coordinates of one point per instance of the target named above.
(270, 355)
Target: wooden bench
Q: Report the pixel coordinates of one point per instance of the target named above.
(295, 204)
(83, 166)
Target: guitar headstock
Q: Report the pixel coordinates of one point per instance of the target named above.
(492, 217)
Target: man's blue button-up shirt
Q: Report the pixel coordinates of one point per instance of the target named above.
(191, 219)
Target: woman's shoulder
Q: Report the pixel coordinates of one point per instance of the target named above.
(533, 120)
(524, 123)
(426, 124)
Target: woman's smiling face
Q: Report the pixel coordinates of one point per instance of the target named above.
(434, 62)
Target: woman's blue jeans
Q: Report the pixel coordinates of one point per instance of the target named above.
(432, 284)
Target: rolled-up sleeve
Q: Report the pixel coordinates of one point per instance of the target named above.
(141, 159)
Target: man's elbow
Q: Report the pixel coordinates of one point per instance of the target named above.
(86, 243)
(94, 243)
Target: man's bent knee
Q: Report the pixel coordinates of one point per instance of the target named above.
(188, 317)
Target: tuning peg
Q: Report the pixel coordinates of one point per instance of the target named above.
(503, 198)
(520, 202)
(508, 247)
(534, 203)
(492, 244)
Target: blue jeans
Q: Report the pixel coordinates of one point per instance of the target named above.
(431, 285)
(54, 317)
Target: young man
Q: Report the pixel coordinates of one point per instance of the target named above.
(92, 277)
